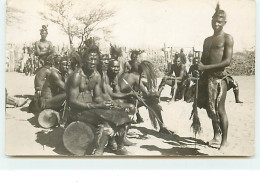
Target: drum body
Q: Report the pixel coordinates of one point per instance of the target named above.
(48, 118)
(79, 138)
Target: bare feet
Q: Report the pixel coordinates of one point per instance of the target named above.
(20, 103)
(128, 143)
(214, 142)
(224, 148)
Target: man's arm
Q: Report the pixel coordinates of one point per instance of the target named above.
(51, 50)
(56, 79)
(183, 69)
(116, 94)
(72, 91)
(141, 86)
(227, 56)
(40, 78)
(203, 57)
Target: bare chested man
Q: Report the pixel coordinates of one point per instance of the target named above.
(132, 65)
(213, 84)
(43, 48)
(53, 91)
(180, 74)
(84, 96)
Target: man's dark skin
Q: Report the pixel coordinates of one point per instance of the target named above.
(43, 48)
(134, 82)
(132, 65)
(217, 55)
(53, 91)
(80, 86)
(180, 72)
(111, 91)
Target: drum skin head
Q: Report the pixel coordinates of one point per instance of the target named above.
(78, 138)
(48, 118)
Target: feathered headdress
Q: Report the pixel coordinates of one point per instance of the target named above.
(115, 52)
(219, 13)
(136, 52)
(90, 47)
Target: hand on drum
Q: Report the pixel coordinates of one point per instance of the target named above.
(107, 104)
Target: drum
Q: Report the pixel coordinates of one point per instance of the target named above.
(78, 138)
(48, 118)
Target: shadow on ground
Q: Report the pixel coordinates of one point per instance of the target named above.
(53, 139)
(34, 121)
(175, 151)
(25, 96)
(182, 146)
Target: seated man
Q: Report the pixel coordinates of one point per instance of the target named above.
(39, 80)
(180, 75)
(110, 91)
(193, 71)
(83, 91)
(53, 91)
(132, 82)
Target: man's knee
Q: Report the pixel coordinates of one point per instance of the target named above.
(106, 129)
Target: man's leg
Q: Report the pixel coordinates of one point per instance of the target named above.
(121, 150)
(55, 102)
(161, 87)
(223, 115)
(104, 133)
(236, 91)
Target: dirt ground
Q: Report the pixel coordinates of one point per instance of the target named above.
(25, 137)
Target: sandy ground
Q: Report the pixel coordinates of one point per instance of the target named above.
(25, 137)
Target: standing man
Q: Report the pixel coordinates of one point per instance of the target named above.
(213, 84)
(43, 48)
(182, 56)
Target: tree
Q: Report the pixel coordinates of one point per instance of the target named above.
(13, 15)
(75, 23)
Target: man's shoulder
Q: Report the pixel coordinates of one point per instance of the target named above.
(208, 39)
(228, 37)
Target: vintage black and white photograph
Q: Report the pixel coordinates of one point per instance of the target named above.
(130, 78)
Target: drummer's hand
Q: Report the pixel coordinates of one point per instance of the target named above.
(202, 67)
(132, 94)
(107, 104)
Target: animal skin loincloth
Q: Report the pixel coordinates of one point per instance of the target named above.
(210, 91)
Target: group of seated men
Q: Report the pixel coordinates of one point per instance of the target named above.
(178, 74)
(95, 90)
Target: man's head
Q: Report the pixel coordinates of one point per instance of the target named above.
(114, 65)
(90, 60)
(178, 60)
(218, 19)
(104, 60)
(63, 66)
(43, 32)
(181, 50)
(135, 55)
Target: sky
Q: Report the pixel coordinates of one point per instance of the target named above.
(149, 23)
